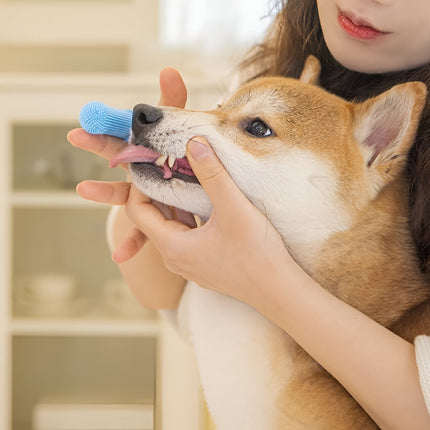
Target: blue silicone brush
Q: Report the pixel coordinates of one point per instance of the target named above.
(98, 118)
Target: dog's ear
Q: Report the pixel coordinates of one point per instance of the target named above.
(386, 126)
(311, 71)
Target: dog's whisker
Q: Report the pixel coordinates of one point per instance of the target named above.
(187, 119)
(197, 125)
(264, 211)
(321, 183)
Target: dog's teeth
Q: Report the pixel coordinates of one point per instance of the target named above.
(161, 160)
(198, 220)
(171, 161)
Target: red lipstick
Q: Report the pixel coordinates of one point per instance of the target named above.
(358, 27)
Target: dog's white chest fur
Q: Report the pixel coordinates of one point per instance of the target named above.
(235, 349)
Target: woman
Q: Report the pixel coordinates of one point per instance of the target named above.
(365, 47)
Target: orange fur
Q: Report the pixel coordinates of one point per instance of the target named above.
(373, 265)
(325, 154)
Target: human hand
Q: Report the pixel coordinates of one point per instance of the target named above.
(173, 93)
(235, 252)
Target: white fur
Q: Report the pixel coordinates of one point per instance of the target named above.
(232, 344)
(176, 193)
(301, 203)
(170, 137)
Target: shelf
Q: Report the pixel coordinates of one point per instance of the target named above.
(88, 349)
(108, 83)
(85, 326)
(52, 199)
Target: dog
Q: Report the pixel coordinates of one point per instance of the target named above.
(330, 176)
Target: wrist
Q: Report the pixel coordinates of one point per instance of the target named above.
(283, 288)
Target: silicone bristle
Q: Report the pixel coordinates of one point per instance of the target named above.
(98, 118)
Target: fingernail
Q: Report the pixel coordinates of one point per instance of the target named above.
(198, 148)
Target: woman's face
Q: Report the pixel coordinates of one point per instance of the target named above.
(373, 36)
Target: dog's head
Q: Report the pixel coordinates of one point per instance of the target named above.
(306, 158)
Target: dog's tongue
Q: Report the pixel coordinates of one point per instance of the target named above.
(140, 154)
(134, 154)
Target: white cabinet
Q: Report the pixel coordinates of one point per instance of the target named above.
(83, 349)
(87, 36)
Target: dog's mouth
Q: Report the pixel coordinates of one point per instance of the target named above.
(166, 166)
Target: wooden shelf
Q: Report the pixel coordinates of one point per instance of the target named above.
(113, 83)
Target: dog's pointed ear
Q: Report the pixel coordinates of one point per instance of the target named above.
(386, 126)
(311, 71)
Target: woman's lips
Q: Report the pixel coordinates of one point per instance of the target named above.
(358, 27)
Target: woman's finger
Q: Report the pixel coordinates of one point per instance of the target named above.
(114, 193)
(222, 191)
(131, 245)
(173, 89)
(148, 218)
(103, 145)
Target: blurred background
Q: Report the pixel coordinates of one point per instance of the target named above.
(76, 352)
(127, 36)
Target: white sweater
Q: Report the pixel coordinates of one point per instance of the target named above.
(422, 351)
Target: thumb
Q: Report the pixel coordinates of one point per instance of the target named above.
(222, 191)
(173, 89)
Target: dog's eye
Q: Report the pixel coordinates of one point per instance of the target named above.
(258, 128)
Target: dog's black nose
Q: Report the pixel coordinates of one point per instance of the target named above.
(144, 114)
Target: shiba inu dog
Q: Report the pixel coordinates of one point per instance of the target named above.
(330, 176)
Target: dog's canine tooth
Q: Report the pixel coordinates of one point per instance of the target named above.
(161, 160)
(171, 161)
(198, 220)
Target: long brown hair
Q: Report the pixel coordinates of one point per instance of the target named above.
(295, 34)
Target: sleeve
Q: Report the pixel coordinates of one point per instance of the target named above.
(422, 351)
(178, 318)
(113, 213)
